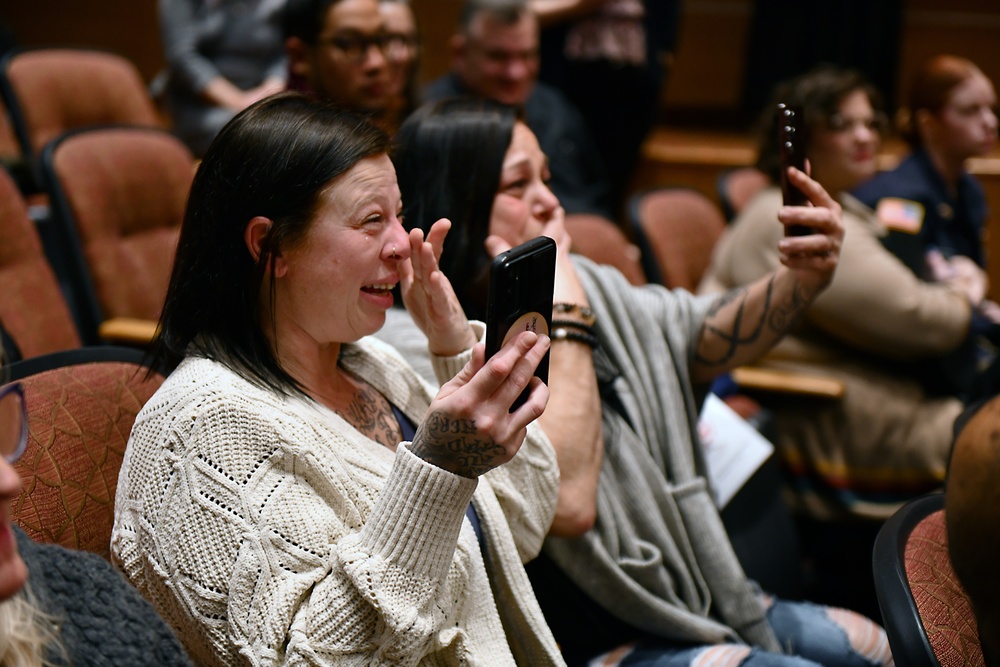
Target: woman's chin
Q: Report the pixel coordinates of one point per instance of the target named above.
(13, 575)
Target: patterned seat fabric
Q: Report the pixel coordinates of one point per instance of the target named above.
(32, 311)
(943, 604)
(80, 417)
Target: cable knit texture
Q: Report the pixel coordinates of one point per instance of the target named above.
(269, 531)
(101, 619)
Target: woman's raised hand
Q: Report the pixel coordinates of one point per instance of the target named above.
(429, 296)
(813, 258)
(468, 429)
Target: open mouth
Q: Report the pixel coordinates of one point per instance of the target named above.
(380, 289)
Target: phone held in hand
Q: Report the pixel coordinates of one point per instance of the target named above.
(520, 298)
(791, 148)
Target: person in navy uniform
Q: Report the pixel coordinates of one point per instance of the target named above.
(934, 209)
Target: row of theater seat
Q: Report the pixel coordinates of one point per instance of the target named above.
(108, 186)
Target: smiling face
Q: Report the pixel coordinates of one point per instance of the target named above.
(335, 286)
(524, 202)
(499, 60)
(967, 125)
(842, 151)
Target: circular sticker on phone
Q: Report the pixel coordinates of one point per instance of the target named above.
(527, 322)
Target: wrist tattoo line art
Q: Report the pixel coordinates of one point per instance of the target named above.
(777, 318)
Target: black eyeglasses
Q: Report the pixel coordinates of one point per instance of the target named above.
(13, 422)
(355, 47)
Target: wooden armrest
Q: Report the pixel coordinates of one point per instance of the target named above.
(769, 379)
(128, 330)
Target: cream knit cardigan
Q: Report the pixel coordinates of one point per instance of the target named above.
(268, 531)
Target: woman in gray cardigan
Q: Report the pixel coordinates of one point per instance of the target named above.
(636, 529)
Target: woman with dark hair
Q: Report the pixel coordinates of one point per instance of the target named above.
(877, 328)
(294, 493)
(641, 573)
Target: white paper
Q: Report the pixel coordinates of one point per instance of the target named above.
(733, 448)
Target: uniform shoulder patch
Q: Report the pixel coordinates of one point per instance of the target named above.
(903, 215)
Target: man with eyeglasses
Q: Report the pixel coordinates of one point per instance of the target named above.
(495, 56)
(339, 50)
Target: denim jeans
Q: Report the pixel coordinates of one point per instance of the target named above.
(810, 637)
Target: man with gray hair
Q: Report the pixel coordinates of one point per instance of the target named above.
(495, 56)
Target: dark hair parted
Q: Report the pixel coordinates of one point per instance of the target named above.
(273, 159)
(819, 93)
(449, 158)
(931, 89)
(305, 19)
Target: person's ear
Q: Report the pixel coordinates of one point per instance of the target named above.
(253, 236)
(299, 59)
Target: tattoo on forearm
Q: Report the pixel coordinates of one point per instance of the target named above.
(785, 315)
(778, 318)
(456, 445)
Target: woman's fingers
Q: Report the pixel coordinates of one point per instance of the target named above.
(437, 234)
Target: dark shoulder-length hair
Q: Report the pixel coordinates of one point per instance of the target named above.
(272, 160)
(819, 93)
(449, 158)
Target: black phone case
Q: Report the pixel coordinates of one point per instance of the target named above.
(520, 297)
(791, 148)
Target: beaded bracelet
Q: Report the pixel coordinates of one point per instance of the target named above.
(585, 312)
(573, 324)
(568, 334)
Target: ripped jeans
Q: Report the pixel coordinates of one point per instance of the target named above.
(813, 636)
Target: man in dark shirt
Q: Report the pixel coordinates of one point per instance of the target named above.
(495, 55)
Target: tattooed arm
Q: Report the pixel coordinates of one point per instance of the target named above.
(743, 324)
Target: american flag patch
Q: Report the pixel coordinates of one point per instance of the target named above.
(901, 215)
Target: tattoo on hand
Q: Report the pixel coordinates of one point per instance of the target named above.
(456, 446)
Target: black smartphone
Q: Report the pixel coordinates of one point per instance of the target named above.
(791, 148)
(520, 298)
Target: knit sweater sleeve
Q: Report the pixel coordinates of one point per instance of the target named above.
(270, 538)
(527, 486)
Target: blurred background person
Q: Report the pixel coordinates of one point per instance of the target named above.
(611, 58)
(403, 54)
(495, 56)
(877, 329)
(934, 211)
(222, 56)
(338, 51)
